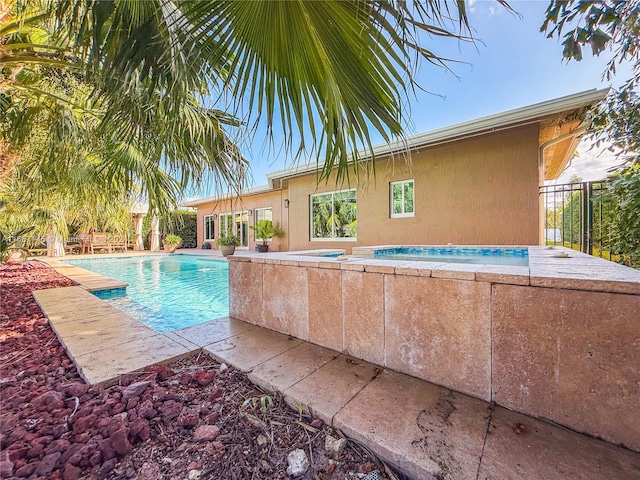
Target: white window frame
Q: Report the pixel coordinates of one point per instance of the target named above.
(403, 214)
(233, 216)
(255, 220)
(212, 229)
(330, 239)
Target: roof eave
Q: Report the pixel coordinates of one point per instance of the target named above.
(476, 126)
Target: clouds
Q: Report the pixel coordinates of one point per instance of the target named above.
(487, 7)
(592, 163)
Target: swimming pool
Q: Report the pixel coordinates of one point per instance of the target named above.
(166, 292)
(475, 255)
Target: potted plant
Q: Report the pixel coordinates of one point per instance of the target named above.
(171, 243)
(265, 230)
(227, 243)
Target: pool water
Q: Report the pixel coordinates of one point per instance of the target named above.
(166, 292)
(492, 256)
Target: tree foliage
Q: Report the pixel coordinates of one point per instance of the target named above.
(614, 26)
(182, 223)
(605, 25)
(624, 197)
(601, 25)
(130, 137)
(326, 73)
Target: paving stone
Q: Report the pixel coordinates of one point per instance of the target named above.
(325, 307)
(104, 332)
(331, 387)
(456, 271)
(290, 367)
(213, 331)
(426, 431)
(104, 366)
(447, 343)
(570, 356)
(80, 310)
(245, 277)
(543, 451)
(67, 299)
(510, 274)
(285, 302)
(363, 315)
(181, 341)
(251, 348)
(113, 322)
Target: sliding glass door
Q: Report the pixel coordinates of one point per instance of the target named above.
(236, 223)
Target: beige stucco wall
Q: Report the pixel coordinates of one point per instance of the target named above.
(477, 191)
(274, 199)
(482, 190)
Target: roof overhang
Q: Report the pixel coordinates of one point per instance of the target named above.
(556, 118)
(227, 196)
(560, 127)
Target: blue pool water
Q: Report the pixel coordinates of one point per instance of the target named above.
(166, 292)
(480, 255)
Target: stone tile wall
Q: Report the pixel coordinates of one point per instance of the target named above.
(570, 355)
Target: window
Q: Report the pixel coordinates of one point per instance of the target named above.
(401, 199)
(333, 215)
(237, 224)
(209, 225)
(262, 214)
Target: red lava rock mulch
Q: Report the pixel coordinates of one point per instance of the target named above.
(188, 420)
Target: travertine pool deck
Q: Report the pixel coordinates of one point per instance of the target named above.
(102, 341)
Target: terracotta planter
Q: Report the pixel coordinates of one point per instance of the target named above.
(227, 249)
(262, 248)
(169, 248)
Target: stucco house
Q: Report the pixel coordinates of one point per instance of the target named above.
(471, 183)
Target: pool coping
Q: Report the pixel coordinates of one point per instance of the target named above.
(553, 267)
(103, 342)
(89, 281)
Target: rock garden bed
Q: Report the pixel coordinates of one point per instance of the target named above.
(192, 419)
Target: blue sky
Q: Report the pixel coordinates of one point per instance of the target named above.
(511, 65)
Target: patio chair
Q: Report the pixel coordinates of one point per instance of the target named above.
(73, 244)
(99, 240)
(84, 240)
(117, 242)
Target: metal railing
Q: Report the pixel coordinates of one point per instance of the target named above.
(580, 216)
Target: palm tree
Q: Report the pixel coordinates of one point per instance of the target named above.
(130, 137)
(130, 79)
(326, 73)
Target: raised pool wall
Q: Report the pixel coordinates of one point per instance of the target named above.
(559, 339)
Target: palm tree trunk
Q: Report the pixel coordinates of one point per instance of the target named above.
(155, 233)
(55, 244)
